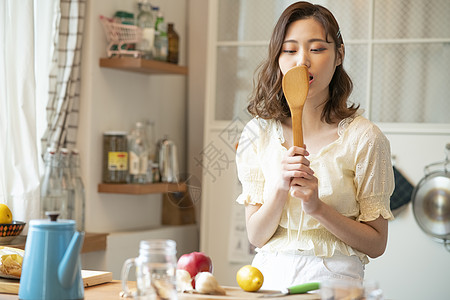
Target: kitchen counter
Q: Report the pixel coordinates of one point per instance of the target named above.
(105, 291)
(111, 291)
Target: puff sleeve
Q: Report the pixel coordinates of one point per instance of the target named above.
(374, 177)
(248, 166)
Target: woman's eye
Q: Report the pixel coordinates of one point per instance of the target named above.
(288, 51)
(318, 49)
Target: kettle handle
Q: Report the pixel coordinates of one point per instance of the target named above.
(125, 271)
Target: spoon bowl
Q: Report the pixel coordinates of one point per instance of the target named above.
(295, 86)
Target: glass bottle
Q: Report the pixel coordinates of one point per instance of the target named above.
(158, 17)
(173, 37)
(150, 132)
(155, 270)
(68, 189)
(155, 11)
(138, 154)
(80, 195)
(161, 48)
(146, 22)
(51, 185)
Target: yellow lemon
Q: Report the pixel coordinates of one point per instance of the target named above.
(249, 278)
(5, 214)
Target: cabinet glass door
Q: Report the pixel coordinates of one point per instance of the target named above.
(397, 54)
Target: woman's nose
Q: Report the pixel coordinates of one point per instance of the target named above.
(303, 59)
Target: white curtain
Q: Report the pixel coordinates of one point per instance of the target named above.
(19, 171)
(25, 55)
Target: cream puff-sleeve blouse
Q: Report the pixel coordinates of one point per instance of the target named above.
(355, 177)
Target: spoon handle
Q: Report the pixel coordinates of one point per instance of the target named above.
(297, 131)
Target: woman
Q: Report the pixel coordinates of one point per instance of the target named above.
(314, 212)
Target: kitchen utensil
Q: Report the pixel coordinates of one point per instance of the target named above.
(296, 289)
(295, 88)
(51, 266)
(236, 293)
(431, 201)
(168, 161)
(155, 270)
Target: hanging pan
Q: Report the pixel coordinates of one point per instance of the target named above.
(431, 201)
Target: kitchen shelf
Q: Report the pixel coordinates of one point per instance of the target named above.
(132, 64)
(142, 189)
(92, 242)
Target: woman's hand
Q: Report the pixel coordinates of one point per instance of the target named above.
(294, 165)
(302, 182)
(367, 237)
(262, 220)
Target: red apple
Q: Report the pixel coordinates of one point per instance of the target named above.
(194, 263)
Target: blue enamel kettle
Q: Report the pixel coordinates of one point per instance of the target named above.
(51, 266)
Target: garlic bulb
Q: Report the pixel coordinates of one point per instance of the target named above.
(206, 283)
(184, 281)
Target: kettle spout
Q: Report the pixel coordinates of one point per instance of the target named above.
(67, 269)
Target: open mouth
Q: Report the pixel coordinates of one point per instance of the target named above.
(311, 78)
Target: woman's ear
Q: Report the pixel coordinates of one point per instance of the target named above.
(340, 55)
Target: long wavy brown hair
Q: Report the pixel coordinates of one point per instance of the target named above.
(268, 101)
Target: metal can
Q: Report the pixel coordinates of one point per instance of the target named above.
(115, 157)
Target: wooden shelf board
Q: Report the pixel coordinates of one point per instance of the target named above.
(140, 65)
(141, 189)
(92, 242)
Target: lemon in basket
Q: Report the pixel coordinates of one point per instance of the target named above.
(5, 214)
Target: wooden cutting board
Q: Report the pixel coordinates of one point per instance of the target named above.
(90, 278)
(234, 293)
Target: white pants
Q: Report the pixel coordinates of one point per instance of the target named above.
(281, 270)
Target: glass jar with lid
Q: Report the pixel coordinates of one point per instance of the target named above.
(115, 157)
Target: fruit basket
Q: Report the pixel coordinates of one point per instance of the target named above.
(121, 37)
(10, 231)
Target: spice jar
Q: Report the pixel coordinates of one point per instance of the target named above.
(115, 157)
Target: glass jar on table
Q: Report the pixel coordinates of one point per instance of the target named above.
(155, 271)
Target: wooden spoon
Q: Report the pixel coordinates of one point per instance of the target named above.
(295, 88)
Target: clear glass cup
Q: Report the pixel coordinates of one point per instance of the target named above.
(155, 271)
(340, 289)
(372, 290)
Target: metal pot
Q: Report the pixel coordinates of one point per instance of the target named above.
(431, 201)
(168, 161)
